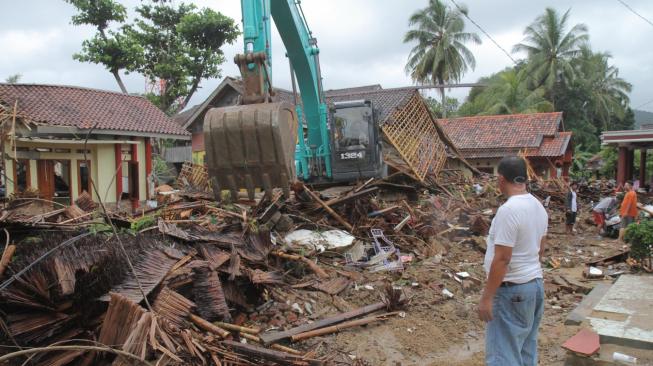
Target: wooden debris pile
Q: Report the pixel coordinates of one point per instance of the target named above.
(197, 282)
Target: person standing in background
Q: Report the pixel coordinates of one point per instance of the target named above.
(628, 211)
(571, 204)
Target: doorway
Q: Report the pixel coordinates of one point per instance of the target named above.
(54, 180)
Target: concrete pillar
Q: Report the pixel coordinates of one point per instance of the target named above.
(630, 164)
(621, 165)
(118, 161)
(642, 167)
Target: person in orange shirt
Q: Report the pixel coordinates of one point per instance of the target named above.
(628, 210)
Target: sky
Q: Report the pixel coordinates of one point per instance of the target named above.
(361, 42)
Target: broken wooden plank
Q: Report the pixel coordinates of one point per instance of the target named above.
(616, 258)
(334, 286)
(339, 327)
(283, 358)
(273, 337)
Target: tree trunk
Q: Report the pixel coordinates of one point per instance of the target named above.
(115, 73)
(119, 81)
(192, 91)
(444, 108)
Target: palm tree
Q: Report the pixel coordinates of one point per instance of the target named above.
(607, 92)
(440, 55)
(508, 94)
(551, 49)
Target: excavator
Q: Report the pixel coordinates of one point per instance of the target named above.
(264, 144)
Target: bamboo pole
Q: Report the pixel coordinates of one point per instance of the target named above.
(207, 326)
(6, 258)
(237, 328)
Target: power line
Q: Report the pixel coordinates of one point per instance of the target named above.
(634, 12)
(643, 104)
(483, 30)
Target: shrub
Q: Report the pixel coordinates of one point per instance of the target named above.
(640, 238)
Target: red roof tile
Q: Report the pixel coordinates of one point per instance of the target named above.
(72, 106)
(502, 131)
(554, 146)
(536, 134)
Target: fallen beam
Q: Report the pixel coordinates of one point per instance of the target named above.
(273, 337)
(339, 327)
(283, 358)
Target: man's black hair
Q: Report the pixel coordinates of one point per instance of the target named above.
(513, 168)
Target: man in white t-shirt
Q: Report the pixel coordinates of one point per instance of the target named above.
(513, 297)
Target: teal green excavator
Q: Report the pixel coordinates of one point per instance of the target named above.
(265, 144)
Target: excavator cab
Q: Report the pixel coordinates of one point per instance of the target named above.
(356, 146)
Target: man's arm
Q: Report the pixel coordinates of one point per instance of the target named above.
(498, 269)
(542, 247)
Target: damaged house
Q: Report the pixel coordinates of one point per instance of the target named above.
(57, 139)
(414, 142)
(539, 137)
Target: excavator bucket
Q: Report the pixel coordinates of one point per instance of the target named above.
(251, 146)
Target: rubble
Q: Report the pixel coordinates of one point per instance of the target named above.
(194, 281)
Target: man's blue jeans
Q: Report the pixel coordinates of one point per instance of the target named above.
(511, 336)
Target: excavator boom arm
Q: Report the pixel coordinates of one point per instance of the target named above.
(303, 54)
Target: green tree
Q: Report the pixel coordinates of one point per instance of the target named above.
(451, 106)
(440, 55)
(551, 49)
(13, 79)
(506, 93)
(174, 46)
(107, 47)
(607, 93)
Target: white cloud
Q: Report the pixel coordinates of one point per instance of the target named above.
(20, 44)
(361, 41)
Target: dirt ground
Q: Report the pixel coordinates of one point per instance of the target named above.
(439, 331)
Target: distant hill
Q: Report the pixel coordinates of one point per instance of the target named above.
(642, 117)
